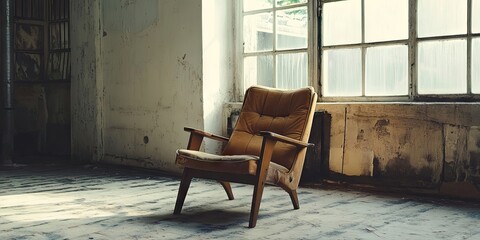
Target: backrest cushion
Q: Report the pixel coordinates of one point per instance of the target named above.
(284, 112)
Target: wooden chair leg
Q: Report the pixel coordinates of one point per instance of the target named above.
(182, 191)
(228, 189)
(257, 198)
(294, 198)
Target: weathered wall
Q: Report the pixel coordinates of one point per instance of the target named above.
(152, 71)
(408, 145)
(87, 81)
(218, 64)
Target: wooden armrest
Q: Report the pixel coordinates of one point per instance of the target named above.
(285, 139)
(270, 138)
(206, 134)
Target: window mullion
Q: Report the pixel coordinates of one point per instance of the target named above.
(314, 55)
(469, 46)
(274, 39)
(412, 45)
(364, 49)
(239, 50)
(265, 53)
(370, 44)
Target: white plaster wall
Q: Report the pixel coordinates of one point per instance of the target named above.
(218, 65)
(152, 55)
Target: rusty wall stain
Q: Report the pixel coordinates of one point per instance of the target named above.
(456, 153)
(407, 144)
(392, 147)
(381, 127)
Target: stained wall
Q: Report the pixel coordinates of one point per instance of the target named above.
(432, 146)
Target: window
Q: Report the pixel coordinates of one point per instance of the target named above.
(275, 43)
(377, 50)
(476, 47)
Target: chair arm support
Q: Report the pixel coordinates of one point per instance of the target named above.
(285, 139)
(205, 134)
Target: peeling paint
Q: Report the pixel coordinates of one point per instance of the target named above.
(381, 127)
(389, 139)
(360, 135)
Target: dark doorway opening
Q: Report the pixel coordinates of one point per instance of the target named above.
(42, 80)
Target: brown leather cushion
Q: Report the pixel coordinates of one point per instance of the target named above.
(278, 111)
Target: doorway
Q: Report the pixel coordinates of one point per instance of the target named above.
(42, 79)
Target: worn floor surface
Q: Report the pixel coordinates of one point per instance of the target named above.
(90, 202)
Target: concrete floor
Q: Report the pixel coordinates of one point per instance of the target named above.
(90, 202)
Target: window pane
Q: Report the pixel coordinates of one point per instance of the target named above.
(258, 70)
(342, 72)
(476, 16)
(442, 67)
(476, 65)
(342, 22)
(249, 5)
(442, 17)
(386, 20)
(292, 70)
(386, 71)
(292, 28)
(258, 32)
(281, 3)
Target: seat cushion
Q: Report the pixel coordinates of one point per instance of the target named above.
(238, 164)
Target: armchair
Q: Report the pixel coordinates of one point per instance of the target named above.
(268, 144)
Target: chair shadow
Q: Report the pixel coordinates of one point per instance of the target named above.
(200, 218)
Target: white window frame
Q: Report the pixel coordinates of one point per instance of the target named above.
(312, 44)
(412, 43)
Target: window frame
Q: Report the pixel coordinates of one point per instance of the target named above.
(312, 44)
(412, 43)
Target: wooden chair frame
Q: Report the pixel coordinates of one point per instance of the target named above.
(258, 180)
